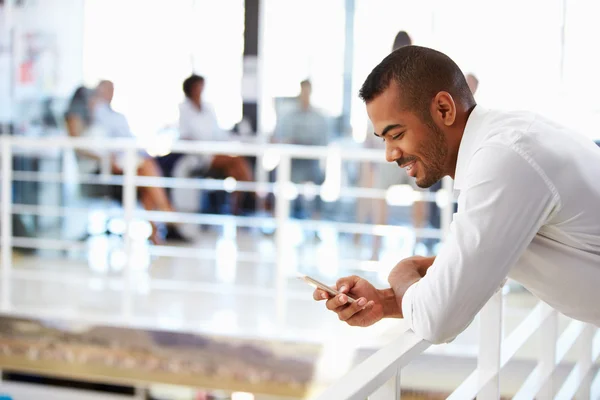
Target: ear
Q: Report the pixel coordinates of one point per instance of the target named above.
(444, 109)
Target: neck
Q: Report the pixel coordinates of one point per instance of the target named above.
(455, 137)
(197, 103)
(304, 104)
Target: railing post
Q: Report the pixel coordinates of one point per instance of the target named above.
(548, 338)
(6, 222)
(390, 390)
(490, 341)
(129, 202)
(585, 358)
(282, 212)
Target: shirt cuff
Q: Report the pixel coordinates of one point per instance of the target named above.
(407, 304)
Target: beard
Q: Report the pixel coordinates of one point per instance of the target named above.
(434, 153)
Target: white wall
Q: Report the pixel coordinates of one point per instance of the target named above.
(61, 20)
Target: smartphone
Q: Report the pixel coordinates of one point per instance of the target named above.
(316, 284)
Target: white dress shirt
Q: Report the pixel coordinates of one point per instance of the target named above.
(528, 209)
(108, 123)
(199, 124)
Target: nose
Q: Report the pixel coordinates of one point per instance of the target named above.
(392, 153)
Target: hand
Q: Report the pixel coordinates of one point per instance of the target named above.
(406, 273)
(114, 166)
(369, 307)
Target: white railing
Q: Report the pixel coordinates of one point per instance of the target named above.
(379, 376)
(283, 190)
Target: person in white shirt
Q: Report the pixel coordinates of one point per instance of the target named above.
(473, 82)
(382, 176)
(197, 121)
(527, 209)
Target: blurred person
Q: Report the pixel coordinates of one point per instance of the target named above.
(382, 176)
(78, 119)
(115, 124)
(307, 126)
(402, 39)
(528, 204)
(198, 121)
(90, 114)
(473, 83)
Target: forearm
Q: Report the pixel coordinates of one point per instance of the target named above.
(392, 298)
(403, 276)
(88, 154)
(391, 306)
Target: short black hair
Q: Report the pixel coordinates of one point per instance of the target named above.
(420, 73)
(189, 83)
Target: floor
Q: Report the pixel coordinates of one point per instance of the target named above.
(225, 284)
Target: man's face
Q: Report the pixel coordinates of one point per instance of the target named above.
(106, 91)
(110, 92)
(305, 92)
(197, 90)
(419, 147)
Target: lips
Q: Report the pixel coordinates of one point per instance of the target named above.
(410, 168)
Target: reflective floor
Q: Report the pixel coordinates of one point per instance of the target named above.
(225, 283)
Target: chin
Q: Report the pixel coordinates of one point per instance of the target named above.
(425, 182)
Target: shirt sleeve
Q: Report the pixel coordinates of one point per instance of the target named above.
(121, 126)
(186, 130)
(283, 129)
(505, 200)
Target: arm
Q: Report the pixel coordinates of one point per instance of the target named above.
(75, 128)
(283, 130)
(372, 304)
(186, 130)
(506, 201)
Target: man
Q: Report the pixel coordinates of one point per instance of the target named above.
(382, 176)
(528, 205)
(114, 124)
(304, 125)
(197, 121)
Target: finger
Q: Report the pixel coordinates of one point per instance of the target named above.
(352, 309)
(320, 294)
(336, 302)
(361, 318)
(346, 284)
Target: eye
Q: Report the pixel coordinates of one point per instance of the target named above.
(398, 136)
(395, 137)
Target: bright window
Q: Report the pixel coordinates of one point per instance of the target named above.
(302, 39)
(147, 48)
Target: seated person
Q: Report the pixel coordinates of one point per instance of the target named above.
(304, 125)
(90, 114)
(197, 121)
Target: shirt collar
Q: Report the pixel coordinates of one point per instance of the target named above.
(472, 137)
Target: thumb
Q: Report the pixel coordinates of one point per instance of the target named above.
(344, 285)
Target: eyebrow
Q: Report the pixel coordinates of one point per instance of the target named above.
(387, 129)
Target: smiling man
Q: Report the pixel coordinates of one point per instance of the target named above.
(528, 207)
